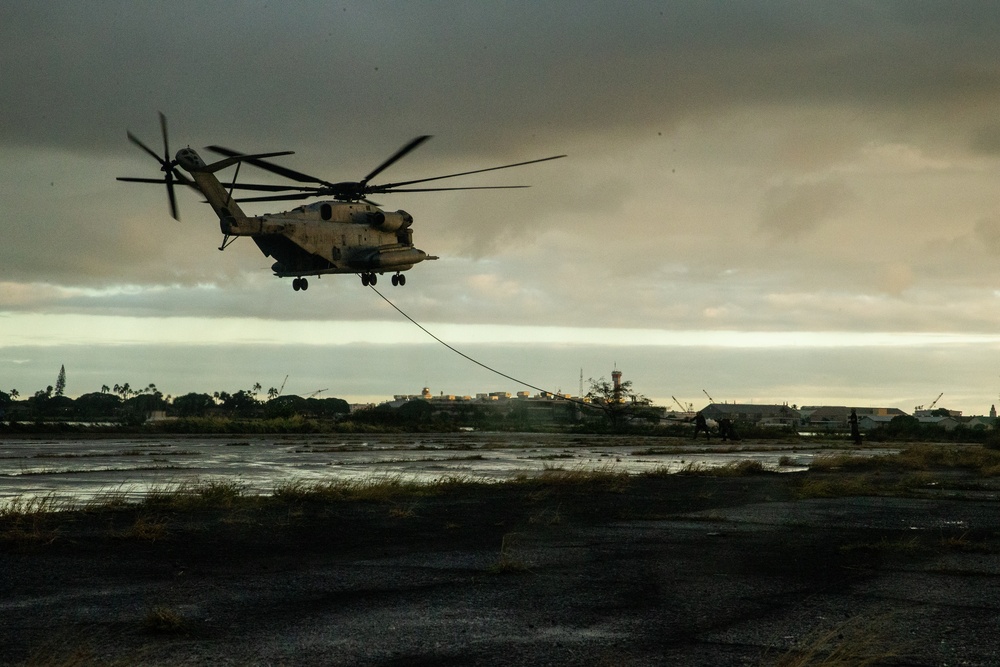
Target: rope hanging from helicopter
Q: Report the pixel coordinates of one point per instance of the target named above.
(476, 361)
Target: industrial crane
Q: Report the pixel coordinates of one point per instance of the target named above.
(931, 406)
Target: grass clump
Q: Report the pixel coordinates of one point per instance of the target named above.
(76, 648)
(607, 476)
(509, 561)
(860, 485)
(918, 457)
(745, 468)
(376, 489)
(857, 642)
(24, 520)
(144, 529)
(220, 493)
(164, 620)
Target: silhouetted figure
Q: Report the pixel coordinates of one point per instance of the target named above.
(855, 431)
(727, 430)
(701, 425)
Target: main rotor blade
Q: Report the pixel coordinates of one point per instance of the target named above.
(170, 193)
(178, 177)
(290, 197)
(135, 140)
(265, 187)
(396, 156)
(321, 193)
(473, 187)
(379, 188)
(269, 166)
(132, 179)
(237, 159)
(166, 145)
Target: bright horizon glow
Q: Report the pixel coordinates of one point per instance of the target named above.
(47, 330)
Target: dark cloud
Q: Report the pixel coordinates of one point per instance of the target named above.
(330, 76)
(691, 127)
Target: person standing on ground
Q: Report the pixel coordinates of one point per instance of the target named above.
(855, 431)
(701, 425)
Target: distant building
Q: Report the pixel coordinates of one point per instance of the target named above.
(761, 415)
(835, 417)
(980, 423)
(947, 423)
(870, 422)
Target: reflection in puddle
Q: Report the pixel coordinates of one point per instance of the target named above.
(84, 468)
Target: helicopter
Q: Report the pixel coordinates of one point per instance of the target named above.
(347, 233)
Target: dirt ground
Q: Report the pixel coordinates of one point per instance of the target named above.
(687, 570)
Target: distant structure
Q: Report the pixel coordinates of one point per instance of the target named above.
(541, 408)
(826, 418)
(760, 415)
(616, 378)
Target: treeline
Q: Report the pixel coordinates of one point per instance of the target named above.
(123, 405)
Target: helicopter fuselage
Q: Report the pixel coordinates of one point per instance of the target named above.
(332, 237)
(346, 234)
(315, 239)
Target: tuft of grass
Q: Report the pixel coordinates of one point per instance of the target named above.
(164, 620)
(608, 476)
(741, 469)
(860, 485)
(24, 520)
(547, 517)
(218, 493)
(965, 544)
(837, 488)
(387, 488)
(402, 512)
(509, 561)
(115, 498)
(76, 649)
(918, 457)
(144, 529)
(872, 553)
(857, 642)
(744, 468)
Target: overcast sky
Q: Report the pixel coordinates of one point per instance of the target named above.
(770, 201)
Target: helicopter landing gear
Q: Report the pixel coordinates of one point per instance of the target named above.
(368, 279)
(398, 279)
(300, 284)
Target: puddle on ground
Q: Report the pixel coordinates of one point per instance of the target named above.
(85, 468)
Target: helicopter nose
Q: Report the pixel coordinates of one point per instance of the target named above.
(189, 159)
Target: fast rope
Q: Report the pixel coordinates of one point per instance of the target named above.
(475, 361)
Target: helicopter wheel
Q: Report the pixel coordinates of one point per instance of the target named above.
(395, 279)
(296, 284)
(364, 279)
(303, 284)
(372, 278)
(399, 279)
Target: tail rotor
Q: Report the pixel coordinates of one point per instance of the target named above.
(167, 166)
